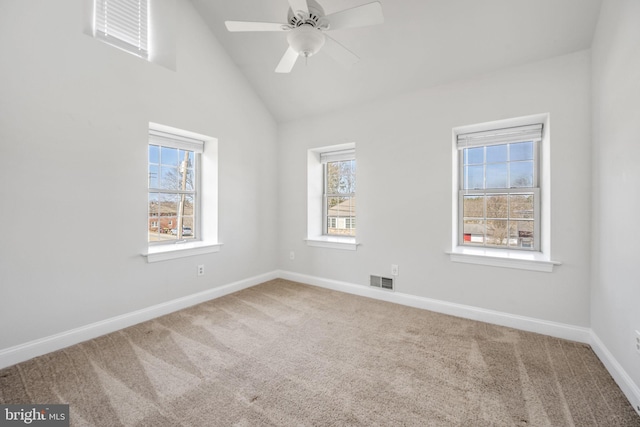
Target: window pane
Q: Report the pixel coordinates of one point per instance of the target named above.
(500, 211)
(521, 206)
(168, 207)
(154, 154)
(189, 183)
(333, 177)
(474, 231)
(169, 156)
(521, 174)
(339, 209)
(473, 156)
(473, 206)
(497, 206)
(497, 232)
(521, 234)
(188, 205)
(169, 178)
(353, 176)
(341, 178)
(497, 175)
(497, 153)
(521, 151)
(340, 204)
(154, 213)
(473, 177)
(153, 176)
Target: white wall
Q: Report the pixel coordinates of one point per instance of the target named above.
(615, 295)
(74, 115)
(404, 190)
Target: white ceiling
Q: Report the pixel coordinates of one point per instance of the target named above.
(422, 43)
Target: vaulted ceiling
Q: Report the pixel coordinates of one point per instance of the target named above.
(422, 43)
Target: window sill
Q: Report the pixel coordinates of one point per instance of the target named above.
(534, 261)
(333, 242)
(180, 250)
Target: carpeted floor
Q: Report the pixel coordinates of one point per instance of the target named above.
(287, 354)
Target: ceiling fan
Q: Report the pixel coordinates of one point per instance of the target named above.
(307, 25)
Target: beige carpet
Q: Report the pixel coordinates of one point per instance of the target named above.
(287, 354)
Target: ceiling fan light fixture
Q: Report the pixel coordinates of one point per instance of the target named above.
(306, 40)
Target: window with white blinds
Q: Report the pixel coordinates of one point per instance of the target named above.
(124, 24)
(499, 192)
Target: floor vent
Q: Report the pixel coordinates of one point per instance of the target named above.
(381, 282)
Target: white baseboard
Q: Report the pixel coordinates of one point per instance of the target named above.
(554, 329)
(20, 353)
(624, 381)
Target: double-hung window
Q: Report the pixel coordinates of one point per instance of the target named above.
(499, 190)
(124, 24)
(339, 198)
(174, 188)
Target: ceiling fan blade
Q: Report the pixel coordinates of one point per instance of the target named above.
(297, 5)
(254, 26)
(288, 61)
(339, 53)
(359, 16)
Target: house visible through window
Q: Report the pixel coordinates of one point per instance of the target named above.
(499, 195)
(124, 24)
(174, 187)
(339, 205)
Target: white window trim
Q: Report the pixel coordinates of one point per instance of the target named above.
(497, 257)
(180, 250)
(315, 197)
(208, 242)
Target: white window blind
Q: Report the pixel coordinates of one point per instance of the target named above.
(500, 136)
(176, 141)
(337, 156)
(123, 23)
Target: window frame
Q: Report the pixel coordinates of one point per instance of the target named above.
(534, 189)
(208, 225)
(174, 141)
(541, 260)
(315, 198)
(334, 157)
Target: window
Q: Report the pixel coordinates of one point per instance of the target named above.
(174, 188)
(123, 23)
(499, 191)
(331, 197)
(339, 200)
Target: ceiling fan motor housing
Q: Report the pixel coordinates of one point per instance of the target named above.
(297, 18)
(306, 40)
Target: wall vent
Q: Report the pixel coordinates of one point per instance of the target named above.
(381, 282)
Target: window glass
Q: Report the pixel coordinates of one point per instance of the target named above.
(521, 174)
(496, 175)
(521, 151)
(497, 153)
(340, 206)
(172, 194)
(498, 195)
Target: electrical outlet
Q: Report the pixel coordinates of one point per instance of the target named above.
(394, 269)
(638, 342)
(292, 255)
(201, 270)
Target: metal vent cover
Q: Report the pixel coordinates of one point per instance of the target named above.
(381, 282)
